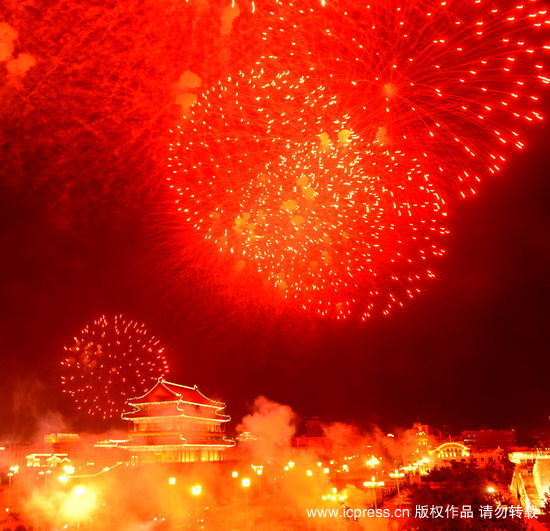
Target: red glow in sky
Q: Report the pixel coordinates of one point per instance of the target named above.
(291, 167)
(268, 174)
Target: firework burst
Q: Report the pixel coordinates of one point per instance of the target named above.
(271, 176)
(111, 360)
(456, 82)
(325, 167)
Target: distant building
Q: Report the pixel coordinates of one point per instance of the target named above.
(482, 458)
(313, 437)
(60, 439)
(175, 423)
(451, 451)
(531, 479)
(541, 479)
(47, 460)
(247, 436)
(421, 442)
(487, 439)
(422, 436)
(63, 443)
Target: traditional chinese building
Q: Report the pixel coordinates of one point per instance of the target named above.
(175, 423)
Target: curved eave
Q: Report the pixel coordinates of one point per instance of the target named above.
(217, 412)
(210, 402)
(169, 386)
(228, 442)
(222, 418)
(214, 402)
(218, 405)
(155, 447)
(162, 403)
(160, 381)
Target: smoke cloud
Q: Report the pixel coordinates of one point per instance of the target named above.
(268, 481)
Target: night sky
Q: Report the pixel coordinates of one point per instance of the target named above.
(87, 228)
(471, 351)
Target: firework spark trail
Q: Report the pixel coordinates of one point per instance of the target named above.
(450, 85)
(455, 81)
(445, 87)
(112, 359)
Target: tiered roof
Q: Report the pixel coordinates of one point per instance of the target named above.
(167, 399)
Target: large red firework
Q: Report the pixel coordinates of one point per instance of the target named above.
(453, 81)
(429, 96)
(273, 177)
(438, 93)
(111, 360)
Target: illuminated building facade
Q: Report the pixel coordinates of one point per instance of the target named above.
(175, 423)
(531, 479)
(451, 451)
(422, 438)
(47, 460)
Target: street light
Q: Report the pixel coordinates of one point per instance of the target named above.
(245, 484)
(397, 475)
(81, 503)
(373, 484)
(171, 481)
(372, 462)
(234, 474)
(196, 491)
